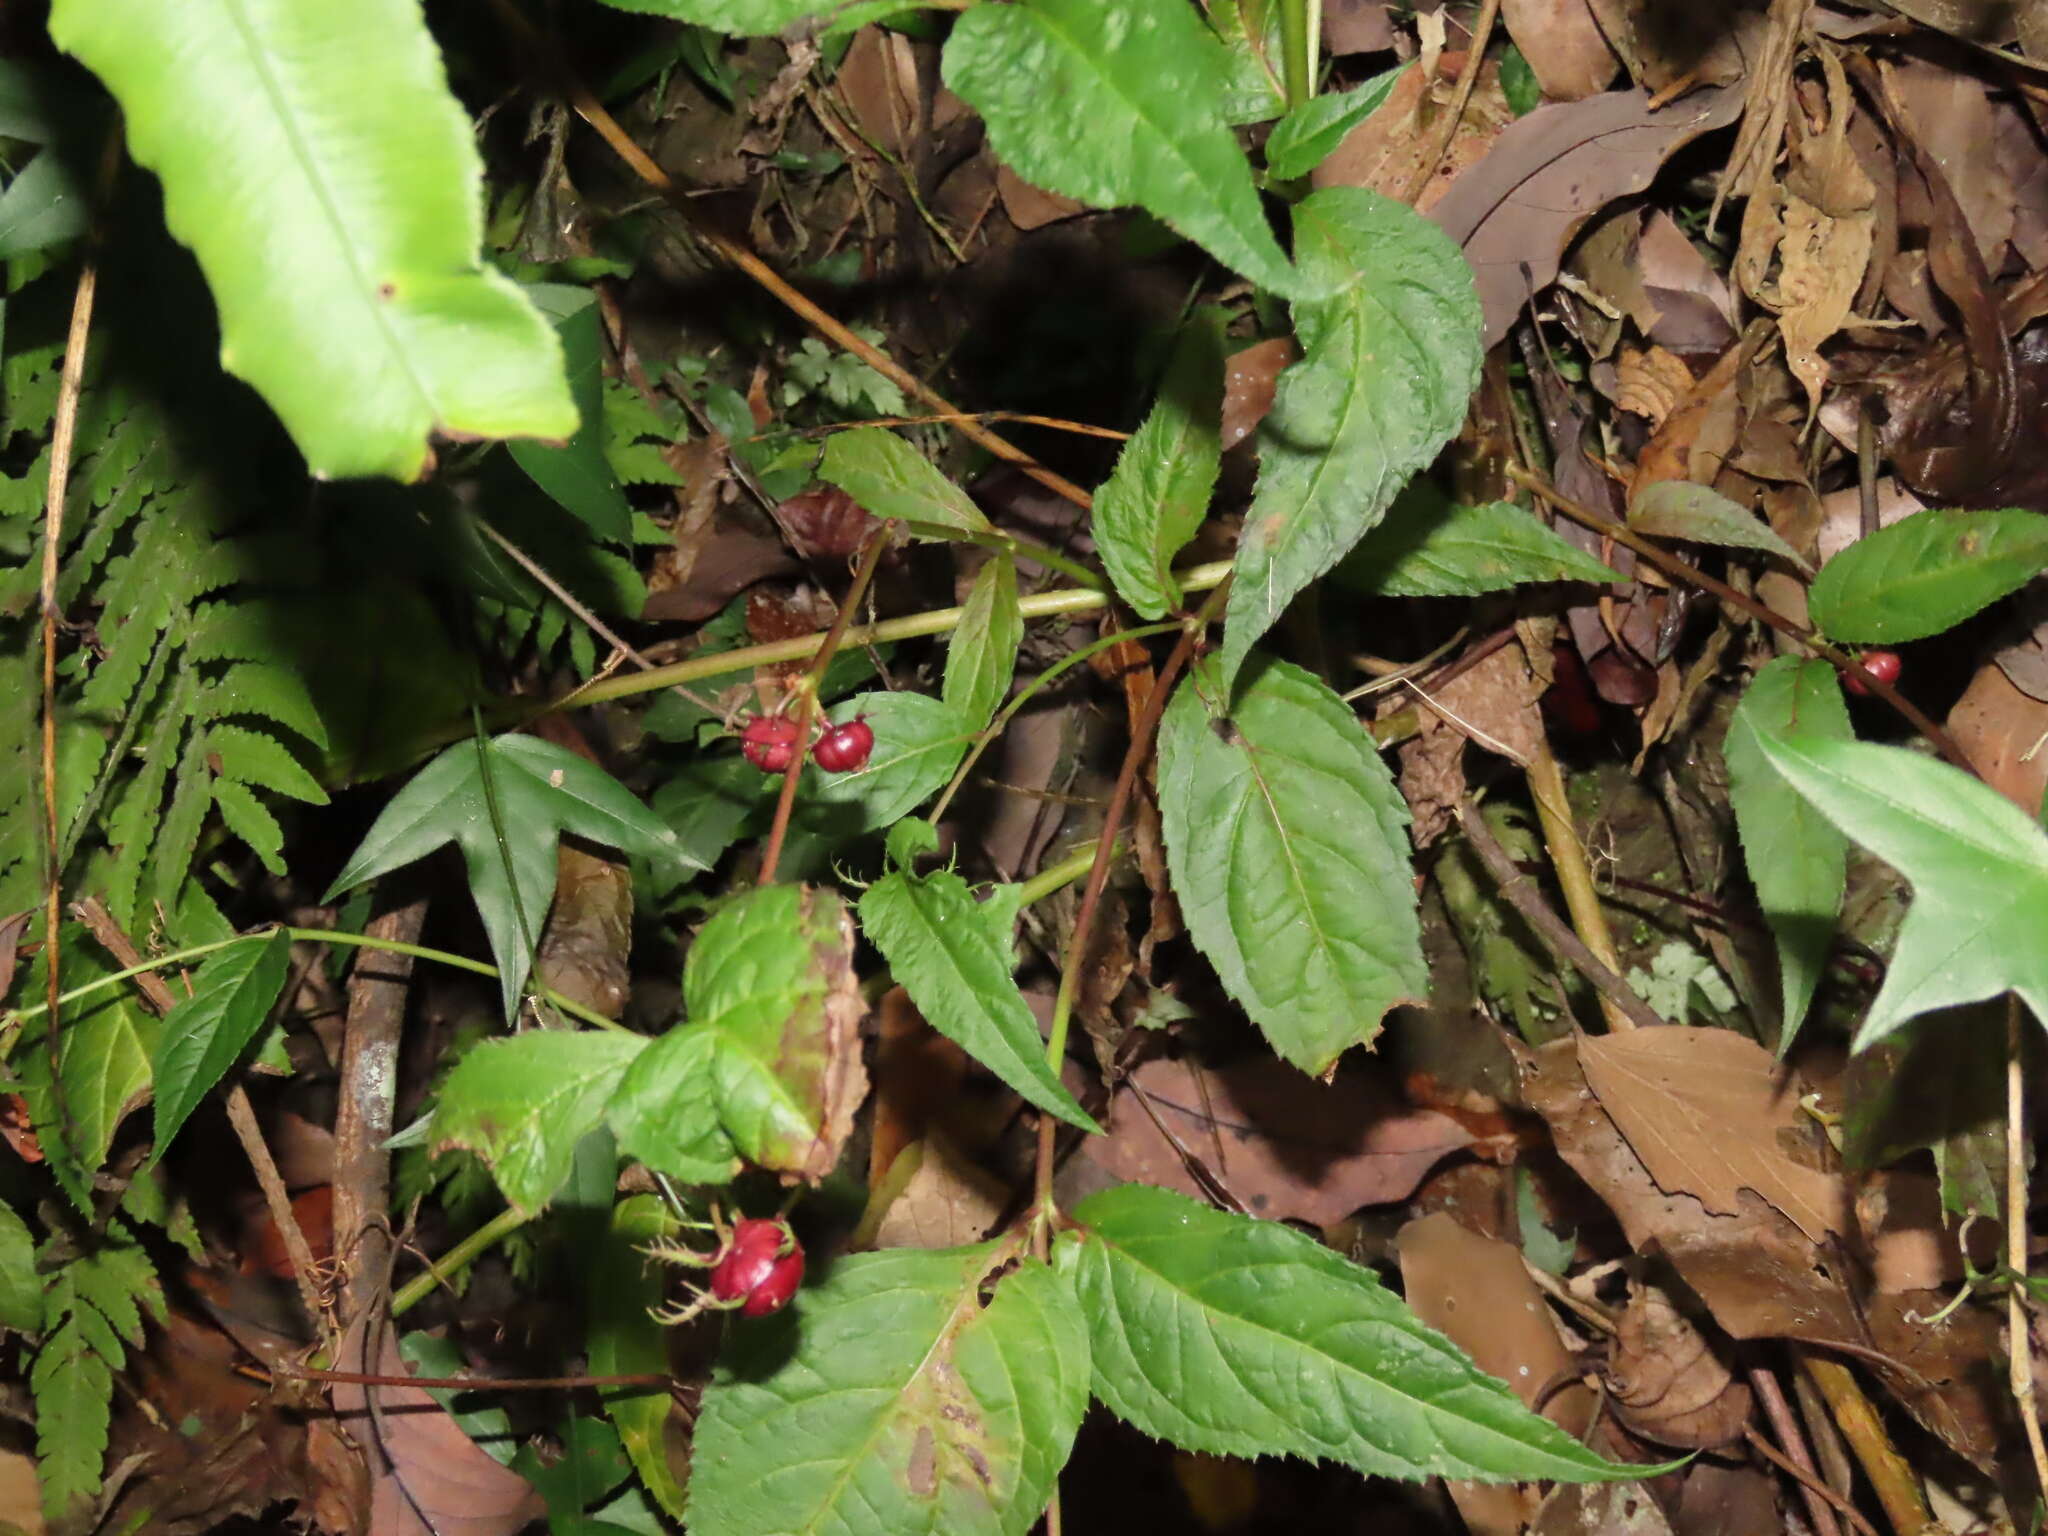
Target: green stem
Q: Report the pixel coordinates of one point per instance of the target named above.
(1051, 559)
(1065, 873)
(455, 1260)
(312, 936)
(1298, 26)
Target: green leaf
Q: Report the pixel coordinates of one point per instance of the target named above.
(890, 478)
(954, 956)
(108, 1040)
(73, 1390)
(42, 206)
(742, 18)
(1978, 865)
(1287, 841)
(204, 1034)
(577, 474)
(256, 757)
(340, 236)
(1797, 860)
(522, 1103)
(1119, 104)
(1678, 509)
(919, 741)
(1927, 573)
(665, 1112)
(982, 658)
(1159, 493)
(625, 1340)
(1242, 1337)
(1429, 546)
(1389, 361)
(1303, 139)
(893, 1400)
(541, 791)
(21, 1289)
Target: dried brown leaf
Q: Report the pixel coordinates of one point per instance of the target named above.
(1563, 44)
(1669, 1385)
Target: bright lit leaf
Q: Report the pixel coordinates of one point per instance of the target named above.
(982, 658)
(1927, 573)
(205, 1033)
(1429, 546)
(890, 478)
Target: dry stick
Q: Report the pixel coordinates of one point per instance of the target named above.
(807, 707)
(1793, 1443)
(241, 1114)
(377, 992)
(1553, 930)
(1857, 1417)
(2020, 1351)
(1806, 1480)
(587, 107)
(953, 418)
(1671, 565)
(1475, 55)
(1574, 876)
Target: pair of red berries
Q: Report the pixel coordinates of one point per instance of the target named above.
(770, 744)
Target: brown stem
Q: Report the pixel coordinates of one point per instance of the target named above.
(1807, 1482)
(1793, 1442)
(1551, 928)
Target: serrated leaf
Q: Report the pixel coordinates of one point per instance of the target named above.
(255, 757)
(541, 791)
(742, 18)
(108, 1040)
(1287, 841)
(665, 1111)
(204, 1034)
(982, 658)
(576, 474)
(919, 741)
(522, 1103)
(73, 1391)
(707, 803)
(341, 240)
(21, 1289)
(1926, 573)
(1797, 861)
(1119, 104)
(954, 956)
(1678, 509)
(890, 478)
(1241, 1337)
(909, 1405)
(270, 693)
(626, 1286)
(1303, 139)
(1429, 546)
(1977, 863)
(1388, 362)
(250, 820)
(1158, 494)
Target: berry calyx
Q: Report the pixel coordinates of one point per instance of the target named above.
(844, 747)
(760, 1270)
(769, 742)
(1885, 666)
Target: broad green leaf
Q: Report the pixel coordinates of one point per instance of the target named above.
(21, 1289)
(1303, 139)
(589, 1465)
(625, 1340)
(522, 1103)
(577, 474)
(43, 204)
(1242, 1337)
(919, 741)
(742, 18)
(890, 1399)
(1978, 865)
(771, 977)
(1288, 844)
(1388, 362)
(1797, 860)
(892, 479)
(981, 661)
(1250, 34)
(108, 1040)
(1429, 546)
(1678, 509)
(954, 956)
(340, 236)
(204, 1034)
(1159, 493)
(1927, 573)
(665, 1112)
(540, 791)
(1117, 104)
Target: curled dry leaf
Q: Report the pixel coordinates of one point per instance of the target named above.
(1668, 1382)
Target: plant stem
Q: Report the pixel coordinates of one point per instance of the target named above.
(455, 1260)
(1297, 63)
(1568, 858)
(1059, 876)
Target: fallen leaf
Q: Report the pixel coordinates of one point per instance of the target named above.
(944, 1201)
(1669, 1385)
(1563, 44)
(2004, 732)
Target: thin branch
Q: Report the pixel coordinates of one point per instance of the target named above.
(1475, 56)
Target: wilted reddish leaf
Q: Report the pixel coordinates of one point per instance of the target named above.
(589, 929)
(824, 523)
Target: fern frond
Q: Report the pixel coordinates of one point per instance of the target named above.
(250, 820)
(635, 435)
(267, 692)
(93, 1308)
(191, 796)
(255, 757)
(131, 825)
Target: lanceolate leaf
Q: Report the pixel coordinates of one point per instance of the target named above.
(21, 1289)
(340, 237)
(1159, 492)
(576, 473)
(1242, 1337)
(1678, 509)
(204, 1034)
(1303, 139)
(890, 1399)
(1797, 860)
(982, 659)
(1978, 866)
(1389, 360)
(1927, 573)
(1116, 104)
(953, 954)
(1428, 546)
(1288, 846)
(892, 479)
(521, 1104)
(625, 1340)
(540, 791)
(108, 1040)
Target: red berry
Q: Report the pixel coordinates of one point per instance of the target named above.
(769, 742)
(761, 1269)
(844, 747)
(1885, 666)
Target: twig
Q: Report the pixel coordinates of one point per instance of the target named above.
(1551, 928)
(1793, 1442)
(1475, 56)
(953, 418)
(1891, 1479)
(2020, 1351)
(1574, 876)
(1806, 1480)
